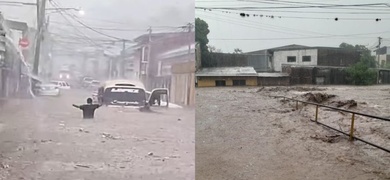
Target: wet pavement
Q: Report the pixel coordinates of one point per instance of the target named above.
(46, 139)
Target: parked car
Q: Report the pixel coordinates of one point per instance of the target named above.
(65, 74)
(48, 90)
(61, 84)
(95, 84)
(87, 81)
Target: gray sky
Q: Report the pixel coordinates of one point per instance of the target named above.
(129, 18)
(229, 30)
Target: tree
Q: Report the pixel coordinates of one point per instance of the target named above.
(213, 49)
(237, 51)
(361, 72)
(357, 47)
(201, 32)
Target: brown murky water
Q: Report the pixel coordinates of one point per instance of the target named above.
(245, 133)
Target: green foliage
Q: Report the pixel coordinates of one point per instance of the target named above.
(362, 48)
(201, 32)
(361, 72)
(237, 51)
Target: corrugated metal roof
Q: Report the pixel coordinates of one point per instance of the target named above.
(178, 52)
(272, 74)
(227, 71)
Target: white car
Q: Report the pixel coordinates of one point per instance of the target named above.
(61, 84)
(48, 90)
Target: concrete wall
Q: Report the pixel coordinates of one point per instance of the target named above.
(273, 81)
(259, 62)
(384, 60)
(337, 57)
(280, 57)
(210, 81)
(316, 75)
(183, 83)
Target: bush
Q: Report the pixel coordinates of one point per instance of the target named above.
(361, 72)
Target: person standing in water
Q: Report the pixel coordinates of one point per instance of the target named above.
(88, 109)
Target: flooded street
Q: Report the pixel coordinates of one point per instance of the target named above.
(246, 133)
(46, 138)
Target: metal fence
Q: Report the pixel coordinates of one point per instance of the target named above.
(351, 132)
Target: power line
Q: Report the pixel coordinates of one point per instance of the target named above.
(264, 39)
(92, 29)
(321, 5)
(310, 37)
(122, 29)
(255, 25)
(300, 7)
(294, 17)
(273, 26)
(85, 36)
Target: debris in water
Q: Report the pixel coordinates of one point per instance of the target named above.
(4, 166)
(259, 90)
(348, 103)
(83, 166)
(328, 139)
(150, 154)
(318, 97)
(107, 135)
(82, 130)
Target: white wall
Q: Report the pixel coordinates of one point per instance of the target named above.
(280, 57)
(23, 13)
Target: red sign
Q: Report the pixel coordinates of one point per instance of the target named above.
(23, 42)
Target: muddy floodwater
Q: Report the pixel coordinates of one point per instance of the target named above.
(248, 133)
(46, 139)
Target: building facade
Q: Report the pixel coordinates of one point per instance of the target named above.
(226, 76)
(315, 56)
(383, 57)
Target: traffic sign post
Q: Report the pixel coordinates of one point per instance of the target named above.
(23, 42)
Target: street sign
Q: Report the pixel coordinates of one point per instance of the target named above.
(23, 42)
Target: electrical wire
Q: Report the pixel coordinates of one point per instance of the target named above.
(308, 37)
(302, 7)
(249, 25)
(294, 17)
(93, 43)
(325, 35)
(256, 23)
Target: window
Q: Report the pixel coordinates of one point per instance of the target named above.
(306, 58)
(220, 83)
(291, 59)
(239, 82)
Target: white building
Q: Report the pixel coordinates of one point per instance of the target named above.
(307, 57)
(383, 56)
(299, 55)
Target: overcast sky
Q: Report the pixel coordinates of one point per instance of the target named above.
(229, 30)
(129, 19)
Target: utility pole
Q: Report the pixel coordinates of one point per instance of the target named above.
(378, 50)
(378, 55)
(190, 26)
(123, 58)
(149, 54)
(41, 5)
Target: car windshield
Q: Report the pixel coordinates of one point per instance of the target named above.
(124, 94)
